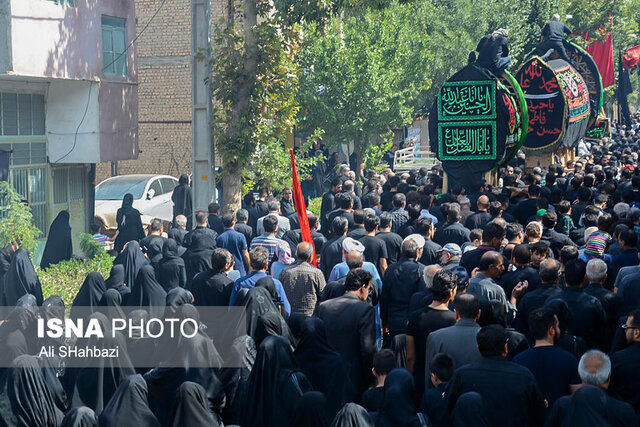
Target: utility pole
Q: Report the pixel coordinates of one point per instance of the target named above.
(203, 177)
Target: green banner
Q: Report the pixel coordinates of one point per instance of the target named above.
(467, 140)
(469, 100)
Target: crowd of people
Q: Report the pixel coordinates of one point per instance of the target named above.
(516, 305)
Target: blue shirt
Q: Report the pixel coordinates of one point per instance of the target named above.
(250, 281)
(235, 243)
(340, 270)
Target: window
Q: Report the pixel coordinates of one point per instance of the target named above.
(155, 186)
(167, 185)
(22, 114)
(113, 46)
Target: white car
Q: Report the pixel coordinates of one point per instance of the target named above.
(151, 196)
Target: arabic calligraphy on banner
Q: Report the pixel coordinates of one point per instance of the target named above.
(576, 92)
(471, 100)
(467, 140)
(545, 103)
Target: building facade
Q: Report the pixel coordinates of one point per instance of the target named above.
(68, 100)
(164, 72)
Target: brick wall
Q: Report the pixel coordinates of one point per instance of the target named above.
(164, 74)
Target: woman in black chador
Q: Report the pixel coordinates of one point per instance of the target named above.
(129, 223)
(58, 247)
(182, 201)
(21, 279)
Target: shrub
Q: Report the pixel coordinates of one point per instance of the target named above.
(16, 220)
(66, 277)
(314, 205)
(89, 246)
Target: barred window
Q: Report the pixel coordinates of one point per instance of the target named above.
(22, 114)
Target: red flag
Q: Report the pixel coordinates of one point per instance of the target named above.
(301, 209)
(602, 53)
(631, 57)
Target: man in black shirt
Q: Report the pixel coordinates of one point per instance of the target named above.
(262, 208)
(555, 369)
(286, 203)
(481, 217)
(510, 392)
(387, 194)
(215, 222)
(553, 34)
(344, 210)
(328, 204)
(392, 240)
(492, 237)
(527, 208)
(399, 213)
(242, 216)
(452, 231)
(294, 237)
(520, 260)
(179, 230)
(587, 315)
(596, 277)
(556, 240)
(357, 231)
(332, 250)
(375, 250)
(625, 378)
(532, 300)
(431, 318)
(431, 250)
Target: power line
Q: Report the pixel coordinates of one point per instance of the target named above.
(86, 109)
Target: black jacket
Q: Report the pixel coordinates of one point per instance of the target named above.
(331, 255)
(351, 331)
(452, 233)
(510, 392)
(625, 375)
(245, 230)
(401, 281)
(556, 241)
(531, 301)
(478, 220)
(430, 252)
(509, 280)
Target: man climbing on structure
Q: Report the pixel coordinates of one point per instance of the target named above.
(493, 52)
(552, 39)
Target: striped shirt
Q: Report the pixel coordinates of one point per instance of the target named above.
(101, 239)
(269, 242)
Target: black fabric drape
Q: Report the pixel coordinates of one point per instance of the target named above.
(311, 411)
(116, 281)
(624, 89)
(275, 386)
(316, 358)
(271, 323)
(398, 408)
(80, 416)
(129, 407)
(170, 270)
(58, 247)
(191, 407)
(147, 293)
(183, 200)
(235, 377)
(90, 293)
(31, 400)
(132, 259)
(129, 223)
(111, 304)
(177, 297)
(21, 279)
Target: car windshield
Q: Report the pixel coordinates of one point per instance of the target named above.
(115, 189)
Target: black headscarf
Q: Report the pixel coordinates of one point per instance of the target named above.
(111, 304)
(27, 300)
(352, 415)
(316, 357)
(129, 407)
(129, 223)
(257, 302)
(132, 259)
(275, 385)
(127, 203)
(6, 255)
(147, 293)
(116, 281)
(31, 400)
(171, 269)
(311, 411)
(80, 416)
(59, 246)
(182, 200)
(398, 409)
(186, 359)
(470, 410)
(95, 385)
(236, 377)
(154, 249)
(17, 334)
(21, 279)
(191, 407)
(271, 323)
(90, 293)
(177, 297)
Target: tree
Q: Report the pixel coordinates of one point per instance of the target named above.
(16, 220)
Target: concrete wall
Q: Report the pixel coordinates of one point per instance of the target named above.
(5, 36)
(118, 121)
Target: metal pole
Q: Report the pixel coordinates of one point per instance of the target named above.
(203, 177)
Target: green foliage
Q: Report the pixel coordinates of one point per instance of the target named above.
(89, 246)
(314, 205)
(271, 164)
(66, 278)
(373, 156)
(16, 220)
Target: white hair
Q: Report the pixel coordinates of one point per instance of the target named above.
(621, 209)
(429, 273)
(598, 370)
(181, 220)
(596, 270)
(556, 17)
(500, 32)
